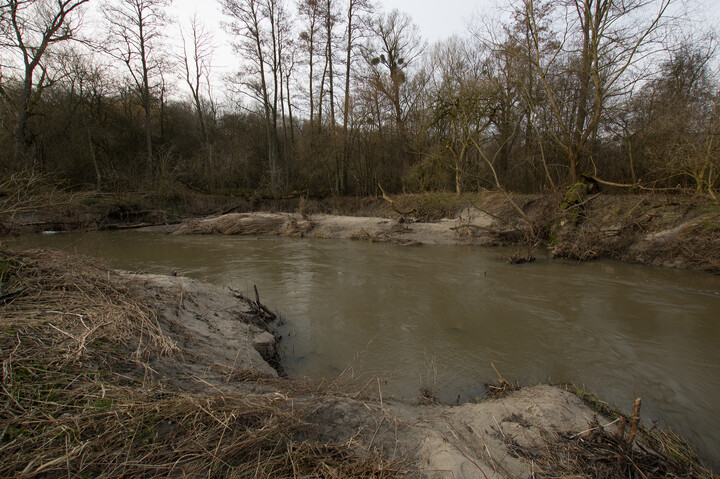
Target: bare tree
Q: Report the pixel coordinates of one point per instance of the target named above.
(196, 60)
(30, 30)
(353, 32)
(330, 20)
(397, 44)
(311, 15)
(591, 65)
(465, 100)
(676, 121)
(135, 28)
(86, 84)
(256, 24)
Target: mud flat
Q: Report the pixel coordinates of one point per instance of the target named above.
(122, 374)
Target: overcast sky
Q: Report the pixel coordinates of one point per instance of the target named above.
(437, 19)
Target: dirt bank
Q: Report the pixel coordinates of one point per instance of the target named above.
(673, 230)
(129, 375)
(679, 232)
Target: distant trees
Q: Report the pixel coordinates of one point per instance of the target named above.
(257, 25)
(465, 99)
(338, 98)
(135, 31)
(196, 60)
(31, 31)
(676, 128)
(356, 10)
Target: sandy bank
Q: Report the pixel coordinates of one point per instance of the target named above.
(131, 375)
(471, 227)
(654, 230)
(675, 230)
(218, 334)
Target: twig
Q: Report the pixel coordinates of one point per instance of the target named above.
(595, 428)
(634, 421)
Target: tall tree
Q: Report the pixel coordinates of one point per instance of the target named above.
(604, 40)
(135, 28)
(465, 100)
(311, 16)
(31, 30)
(197, 56)
(330, 20)
(256, 25)
(353, 31)
(397, 44)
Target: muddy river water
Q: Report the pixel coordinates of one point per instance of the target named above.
(435, 317)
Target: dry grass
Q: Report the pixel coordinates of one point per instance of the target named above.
(601, 454)
(79, 398)
(606, 451)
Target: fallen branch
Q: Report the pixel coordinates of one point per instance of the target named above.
(392, 204)
(257, 307)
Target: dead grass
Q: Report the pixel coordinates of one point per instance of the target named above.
(604, 450)
(79, 397)
(600, 453)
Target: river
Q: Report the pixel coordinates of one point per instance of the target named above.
(435, 317)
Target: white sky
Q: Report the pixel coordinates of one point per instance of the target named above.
(437, 20)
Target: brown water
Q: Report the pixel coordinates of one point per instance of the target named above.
(441, 314)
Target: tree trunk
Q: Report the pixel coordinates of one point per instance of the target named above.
(342, 173)
(576, 143)
(21, 144)
(148, 140)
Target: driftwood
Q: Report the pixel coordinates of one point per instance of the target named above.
(258, 309)
(634, 421)
(130, 227)
(392, 204)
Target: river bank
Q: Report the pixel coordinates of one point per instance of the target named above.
(131, 374)
(663, 230)
(651, 230)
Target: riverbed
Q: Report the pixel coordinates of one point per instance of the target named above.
(435, 317)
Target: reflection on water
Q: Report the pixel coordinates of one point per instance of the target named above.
(619, 330)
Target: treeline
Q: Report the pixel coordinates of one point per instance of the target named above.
(338, 97)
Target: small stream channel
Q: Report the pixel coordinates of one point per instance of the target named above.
(437, 316)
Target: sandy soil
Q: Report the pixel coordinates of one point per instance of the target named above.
(217, 330)
(161, 365)
(214, 331)
(660, 231)
(470, 227)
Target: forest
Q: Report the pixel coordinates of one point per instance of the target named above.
(340, 97)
